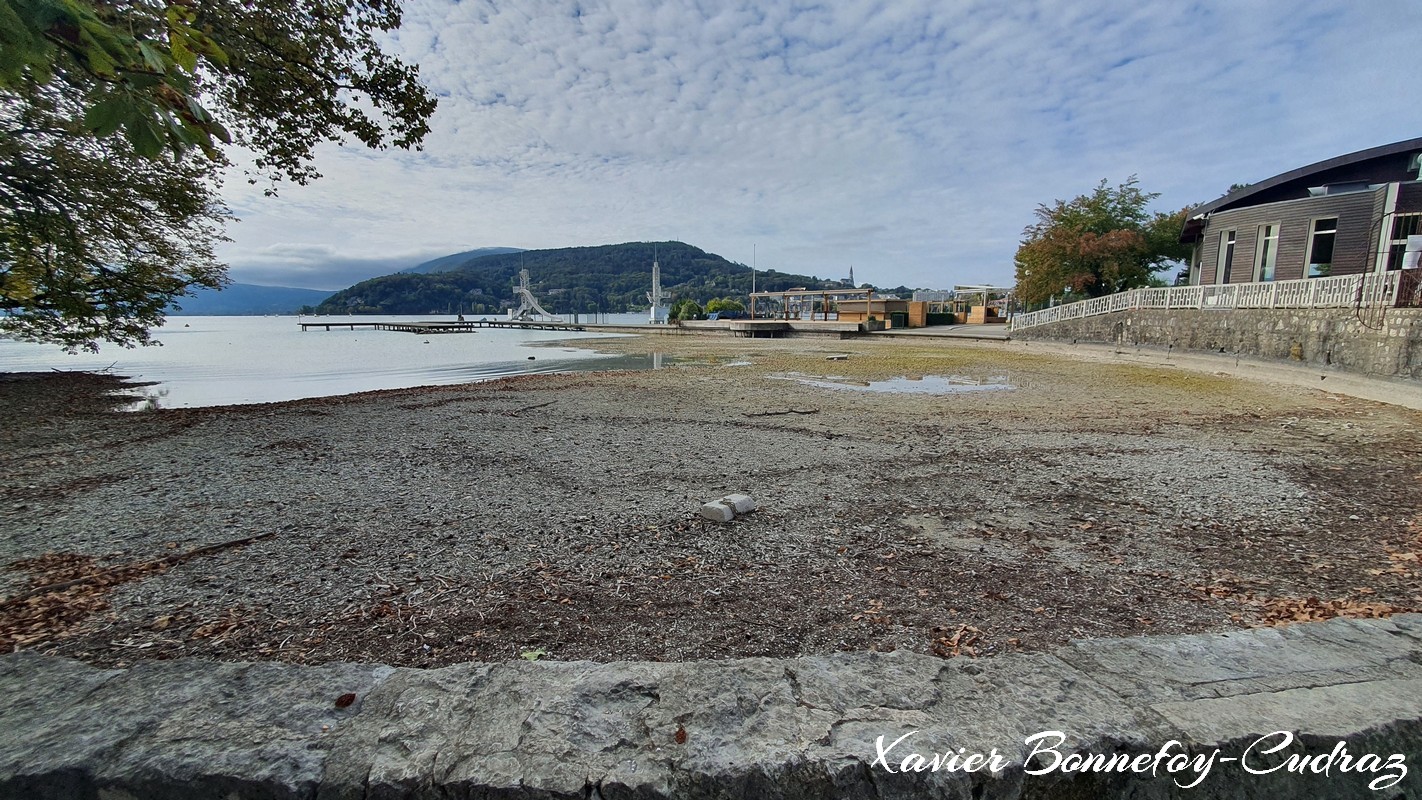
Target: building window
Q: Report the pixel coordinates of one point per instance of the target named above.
(1226, 257)
(1267, 252)
(1320, 247)
(1403, 226)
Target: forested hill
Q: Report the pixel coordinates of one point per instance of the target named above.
(459, 259)
(609, 278)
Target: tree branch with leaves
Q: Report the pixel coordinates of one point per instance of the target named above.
(113, 120)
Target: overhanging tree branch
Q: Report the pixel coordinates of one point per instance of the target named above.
(110, 141)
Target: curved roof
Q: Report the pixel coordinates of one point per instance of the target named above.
(1331, 171)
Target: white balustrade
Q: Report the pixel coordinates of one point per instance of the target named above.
(1338, 291)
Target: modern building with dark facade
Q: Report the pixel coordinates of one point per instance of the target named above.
(1344, 216)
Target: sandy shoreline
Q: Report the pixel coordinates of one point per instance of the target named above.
(555, 515)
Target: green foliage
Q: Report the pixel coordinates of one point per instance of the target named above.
(285, 74)
(1096, 244)
(724, 304)
(110, 140)
(610, 278)
(94, 239)
(686, 309)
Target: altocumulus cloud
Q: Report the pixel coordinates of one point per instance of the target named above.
(911, 139)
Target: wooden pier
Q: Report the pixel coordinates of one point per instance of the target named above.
(467, 326)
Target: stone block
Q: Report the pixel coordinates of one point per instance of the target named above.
(740, 503)
(717, 511)
(831, 726)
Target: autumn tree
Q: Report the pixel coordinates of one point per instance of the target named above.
(1098, 243)
(115, 118)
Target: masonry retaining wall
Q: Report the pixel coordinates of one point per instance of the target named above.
(749, 728)
(1383, 342)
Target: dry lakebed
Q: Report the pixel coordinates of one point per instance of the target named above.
(997, 501)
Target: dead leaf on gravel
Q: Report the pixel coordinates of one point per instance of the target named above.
(959, 643)
(1288, 610)
(81, 586)
(218, 629)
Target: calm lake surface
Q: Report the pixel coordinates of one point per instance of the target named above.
(206, 361)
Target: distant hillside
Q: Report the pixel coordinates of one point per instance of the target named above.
(244, 299)
(446, 263)
(609, 278)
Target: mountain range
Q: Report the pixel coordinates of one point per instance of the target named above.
(245, 299)
(605, 278)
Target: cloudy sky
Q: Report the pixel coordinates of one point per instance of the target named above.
(909, 139)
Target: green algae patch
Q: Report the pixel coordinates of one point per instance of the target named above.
(1173, 379)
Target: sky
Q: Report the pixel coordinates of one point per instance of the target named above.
(910, 140)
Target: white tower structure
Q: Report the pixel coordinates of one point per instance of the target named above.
(528, 306)
(658, 312)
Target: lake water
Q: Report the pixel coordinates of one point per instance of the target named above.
(206, 361)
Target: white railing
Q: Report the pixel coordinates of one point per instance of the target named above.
(1341, 291)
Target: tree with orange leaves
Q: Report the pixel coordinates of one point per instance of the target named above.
(1096, 244)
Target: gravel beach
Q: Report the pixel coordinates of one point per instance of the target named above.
(555, 516)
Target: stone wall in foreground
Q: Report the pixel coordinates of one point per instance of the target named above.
(1383, 342)
(752, 728)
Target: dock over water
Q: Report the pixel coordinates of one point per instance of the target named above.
(467, 326)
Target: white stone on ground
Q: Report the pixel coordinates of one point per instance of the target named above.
(741, 503)
(717, 511)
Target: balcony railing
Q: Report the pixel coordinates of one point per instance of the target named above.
(1341, 291)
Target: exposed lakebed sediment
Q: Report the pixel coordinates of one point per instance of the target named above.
(554, 516)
